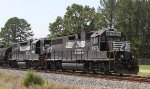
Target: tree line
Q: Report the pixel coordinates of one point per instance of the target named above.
(132, 17)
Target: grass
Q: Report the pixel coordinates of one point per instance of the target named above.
(33, 79)
(144, 74)
(9, 81)
(2, 87)
(145, 67)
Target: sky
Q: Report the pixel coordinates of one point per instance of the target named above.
(38, 13)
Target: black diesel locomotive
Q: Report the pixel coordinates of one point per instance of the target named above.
(104, 51)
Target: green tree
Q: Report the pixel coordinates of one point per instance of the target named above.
(132, 18)
(78, 18)
(15, 30)
(56, 27)
(108, 9)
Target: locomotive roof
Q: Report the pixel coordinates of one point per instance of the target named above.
(20, 42)
(99, 32)
(35, 41)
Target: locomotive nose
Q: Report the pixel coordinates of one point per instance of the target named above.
(129, 63)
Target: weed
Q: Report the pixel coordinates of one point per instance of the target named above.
(33, 79)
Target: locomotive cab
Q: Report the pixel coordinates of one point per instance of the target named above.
(120, 50)
(35, 47)
(112, 43)
(40, 48)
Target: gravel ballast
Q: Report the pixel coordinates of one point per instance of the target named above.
(91, 83)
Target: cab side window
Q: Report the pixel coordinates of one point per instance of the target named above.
(103, 46)
(103, 38)
(94, 40)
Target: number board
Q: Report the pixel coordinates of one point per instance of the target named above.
(113, 33)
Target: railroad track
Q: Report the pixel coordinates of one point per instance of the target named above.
(130, 78)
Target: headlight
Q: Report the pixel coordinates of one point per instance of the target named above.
(132, 56)
(121, 56)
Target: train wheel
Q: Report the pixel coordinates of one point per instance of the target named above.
(86, 68)
(120, 70)
(106, 69)
(14, 64)
(28, 64)
(53, 66)
(49, 66)
(35, 64)
(121, 74)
